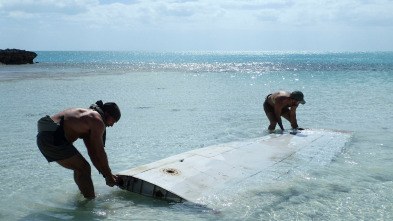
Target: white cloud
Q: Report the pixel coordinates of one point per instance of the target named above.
(47, 6)
(205, 13)
(223, 21)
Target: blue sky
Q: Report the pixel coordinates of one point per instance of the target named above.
(207, 25)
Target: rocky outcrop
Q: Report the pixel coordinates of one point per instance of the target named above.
(16, 56)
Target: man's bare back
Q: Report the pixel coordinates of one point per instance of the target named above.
(78, 122)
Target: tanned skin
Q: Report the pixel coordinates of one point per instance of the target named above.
(284, 106)
(88, 125)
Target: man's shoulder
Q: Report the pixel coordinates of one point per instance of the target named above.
(94, 115)
(89, 116)
(94, 121)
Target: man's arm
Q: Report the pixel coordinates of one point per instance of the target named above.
(292, 117)
(96, 151)
(277, 112)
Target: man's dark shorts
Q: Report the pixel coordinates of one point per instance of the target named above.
(267, 107)
(52, 142)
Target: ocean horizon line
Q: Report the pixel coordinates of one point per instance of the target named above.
(226, 51)
(217, 51)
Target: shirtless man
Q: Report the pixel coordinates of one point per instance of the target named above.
(284, 104)
(57, 133)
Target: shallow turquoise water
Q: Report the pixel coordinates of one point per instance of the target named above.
(169, 107)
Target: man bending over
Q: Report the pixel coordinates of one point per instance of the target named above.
(57, 133)
(284, 104)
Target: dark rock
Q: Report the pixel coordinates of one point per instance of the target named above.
(16, 56)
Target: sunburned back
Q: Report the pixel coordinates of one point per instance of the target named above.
(279, 99)
(78, 122)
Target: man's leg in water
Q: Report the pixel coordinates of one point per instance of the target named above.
(272, 120)
(82, 174)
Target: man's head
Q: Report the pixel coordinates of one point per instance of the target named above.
(113, 110)
(298, 95)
